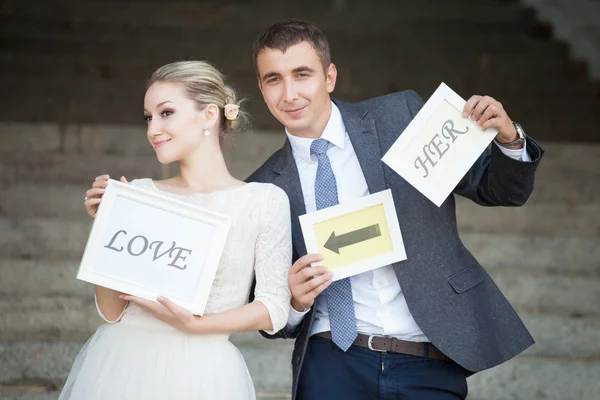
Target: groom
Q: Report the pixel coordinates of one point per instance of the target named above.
(415, 329)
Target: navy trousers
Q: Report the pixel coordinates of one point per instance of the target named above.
(362, 374)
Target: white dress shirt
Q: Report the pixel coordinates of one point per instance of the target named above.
(379, 304)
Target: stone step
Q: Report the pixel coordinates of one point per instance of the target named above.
(43, 299)
(121, 101)
(524, 377)
(122, 85)
(130, 139)
(521, 378)
(71, 167)
(231, 15)
(365, 20)
(51, 362)
(23, 392)
(82, 169)
(28, 393)
(132, 63)
(57, 277)
(66, 236)
(76, 153)
(541, 64)
(238, 64)
(35, 393)
(550, 294)
(541, 114)
(537, 379)
(62, 237)
(94, 38)
(73, 317)
(126, 140)
(540, 218)
(562, 160)
(21, 199)
(544, 254)
(566, 255)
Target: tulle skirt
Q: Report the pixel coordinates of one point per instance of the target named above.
(143, 358)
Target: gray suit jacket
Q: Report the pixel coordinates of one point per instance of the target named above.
(451, 297)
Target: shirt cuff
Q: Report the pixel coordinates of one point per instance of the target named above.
(295, 318)
(515, 154)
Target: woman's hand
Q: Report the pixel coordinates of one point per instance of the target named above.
(167, 311)
(93, 196)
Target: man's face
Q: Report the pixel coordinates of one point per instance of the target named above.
(296, 89)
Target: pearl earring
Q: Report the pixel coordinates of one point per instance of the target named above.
(206, 132)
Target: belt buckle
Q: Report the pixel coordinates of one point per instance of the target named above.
(370, 343)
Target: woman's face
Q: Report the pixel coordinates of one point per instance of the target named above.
(175, 125)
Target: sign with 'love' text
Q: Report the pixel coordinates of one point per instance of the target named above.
(439, 146)
(147, 245)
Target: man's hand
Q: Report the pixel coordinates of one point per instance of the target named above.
(307, 282)
(93, 197)
(488, 112)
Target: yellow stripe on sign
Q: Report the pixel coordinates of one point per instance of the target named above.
(357, 236)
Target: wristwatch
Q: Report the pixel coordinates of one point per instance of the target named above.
(517, 143)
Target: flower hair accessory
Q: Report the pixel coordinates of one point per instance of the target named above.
(231, 111)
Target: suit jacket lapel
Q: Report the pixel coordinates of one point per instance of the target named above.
(363, 135)
(289, 181)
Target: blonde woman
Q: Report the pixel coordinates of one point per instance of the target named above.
(159, 350)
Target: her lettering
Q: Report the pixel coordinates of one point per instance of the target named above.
(436, 148)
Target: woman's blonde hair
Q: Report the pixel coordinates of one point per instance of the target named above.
(205, 85)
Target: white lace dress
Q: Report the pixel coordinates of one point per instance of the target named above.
(140, 357)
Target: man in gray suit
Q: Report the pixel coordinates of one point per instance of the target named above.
(415, 329)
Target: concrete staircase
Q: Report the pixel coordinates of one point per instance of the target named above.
(545, 256)
(577, 22)
(86, 61)
(72, 78)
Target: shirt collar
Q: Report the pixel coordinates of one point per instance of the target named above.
(334, 132)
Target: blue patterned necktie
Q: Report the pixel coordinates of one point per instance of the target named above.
(339, 293)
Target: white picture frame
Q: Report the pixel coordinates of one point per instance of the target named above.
(392, 253)
(438, 146)
(148, 245)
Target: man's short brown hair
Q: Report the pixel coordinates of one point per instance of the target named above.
(282, 35)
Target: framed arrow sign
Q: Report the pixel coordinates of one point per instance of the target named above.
(355, 237)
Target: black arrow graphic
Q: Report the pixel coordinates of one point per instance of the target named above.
(335, 243)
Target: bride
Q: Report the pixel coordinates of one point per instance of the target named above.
(159, 350)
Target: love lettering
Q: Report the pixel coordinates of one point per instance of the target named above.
(436, 148)
(139, 244)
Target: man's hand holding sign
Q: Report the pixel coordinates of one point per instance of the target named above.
(446, 137)
(488, 113)
(345, 240)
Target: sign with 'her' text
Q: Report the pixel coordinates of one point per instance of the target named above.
(148, 245)
(439, 146)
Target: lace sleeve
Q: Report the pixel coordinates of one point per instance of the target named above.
(274, 257)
